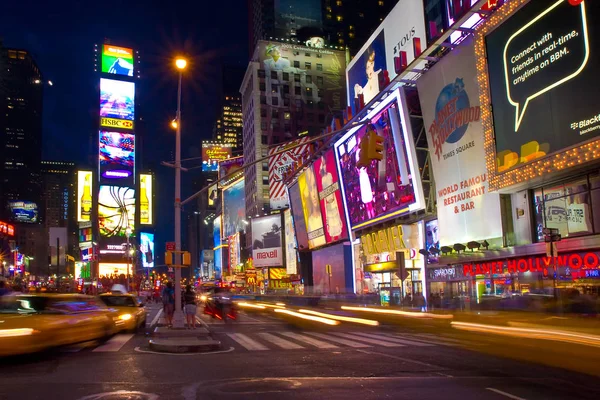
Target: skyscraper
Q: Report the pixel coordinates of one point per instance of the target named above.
(228, 124)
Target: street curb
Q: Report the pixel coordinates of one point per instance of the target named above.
(184, 346)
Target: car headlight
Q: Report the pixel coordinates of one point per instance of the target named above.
(17, 332)
(125, 317)
(203, 298)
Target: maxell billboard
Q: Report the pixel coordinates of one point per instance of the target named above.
(266, 241)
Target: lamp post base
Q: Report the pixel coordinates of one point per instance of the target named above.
(178, 319)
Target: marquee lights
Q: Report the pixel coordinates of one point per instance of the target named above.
(564, 159)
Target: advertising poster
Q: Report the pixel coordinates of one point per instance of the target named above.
(323, 283)
(117, 60)
(227, 169)
(543, 64)
(116, 211)
(112, 269)
(116, 156)
(294, 59)
(234, 208)
(449, 97)
(432, 240)
(146, 200)
(234, 251)
(117, 100)
(266, 241)
(282, 164)
(400, 34)
(311, 207)
(291, 256)
(23, 211)
(147, 249)
(386, 188)
(84, 196)
(218, 249)
(213, 153)
(330, 197)
(213, 195)
(298, 217)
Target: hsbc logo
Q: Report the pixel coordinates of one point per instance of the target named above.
(265, 255)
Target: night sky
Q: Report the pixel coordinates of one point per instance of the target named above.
(61, 37)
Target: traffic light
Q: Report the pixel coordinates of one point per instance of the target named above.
(371, 148)
(169, 258)
(187, 258)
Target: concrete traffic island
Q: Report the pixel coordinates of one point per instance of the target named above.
(183, 340)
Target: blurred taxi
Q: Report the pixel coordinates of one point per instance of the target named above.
(127, 311)
(35, 322)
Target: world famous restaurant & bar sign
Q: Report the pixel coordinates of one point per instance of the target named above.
(578, 263)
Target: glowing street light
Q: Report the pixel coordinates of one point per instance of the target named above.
(174, 124)
(181, 63)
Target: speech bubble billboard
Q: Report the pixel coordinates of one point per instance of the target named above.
(546, 52)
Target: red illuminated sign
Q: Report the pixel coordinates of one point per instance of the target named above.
(7, 229)
(575, 261)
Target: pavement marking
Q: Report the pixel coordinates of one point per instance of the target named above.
(199, 320)
(314, 342)
(401, 359)
(368, 340)
(334, 339)
(115, 343)
(156, 317)
(393, 339)
(140, 350)
(500, 392)
(245, 341)
(284, 344)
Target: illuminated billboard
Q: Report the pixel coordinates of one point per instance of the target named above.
(282, 164)
(228, 168)
(213, 195)
(84, 196)
(146, 200)
(298, 216)
(218, 249)
(23, 211)
(291, 258)
(7, 229)
(311, 207)
(112, 269)
(234, 251)
(330, 197)
(147, 249)
(266, 241)
(116, 154)
(212, 153)
(117, 102)
(116, 211)
(539, 71)
(234, 209)
(117, 60)
(388, 188)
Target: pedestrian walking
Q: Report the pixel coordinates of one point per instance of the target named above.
(168, 300)
(189, 298)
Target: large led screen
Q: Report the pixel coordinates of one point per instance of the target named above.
(213, 153)
(298, 215)
(146, 200)
(117, 99)
(84, 196)
(116, 156)
(116, 211)
(311, 206)
(117, 60)
(234, 209)
(387, 188)
(543, 66)
(23, 211)
(330, 197)
(266, 241)
(147, 249)
(218, 251)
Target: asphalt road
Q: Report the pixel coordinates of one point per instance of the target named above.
(265, 358)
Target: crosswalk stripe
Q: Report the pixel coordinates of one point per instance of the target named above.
(368, 340)
(115, 343)
(314, 342)
(245, 341)
(337, 340)
(443, 339)
(394, 339)
(437, 340)
(284, 344)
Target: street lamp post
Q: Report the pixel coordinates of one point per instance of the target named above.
(180, 63)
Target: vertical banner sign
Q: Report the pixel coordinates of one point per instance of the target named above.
(84, 196)
(146, 206)
(452, 115)
(234, 251)
(291, 264)
(279, 165)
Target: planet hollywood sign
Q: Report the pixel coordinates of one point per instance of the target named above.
(574, 261)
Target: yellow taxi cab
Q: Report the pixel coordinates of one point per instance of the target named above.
(35, 322)
(127, 311)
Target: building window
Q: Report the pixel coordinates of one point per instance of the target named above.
(262, 86)
(261, 73)
(309, 91)
(319, 80)
(339, 18)
(286, 115)
(341, 41)
(286, 76)
(319, 67)
(263, 112)
(286, 89)
(263, 139)
(308, 79)
(263, 99)
(296, 77)
(273, 74)
(380, 2)
(275, 113)
(307, 65)
(265, 166)
(263, 125)
(296, 64)
(297, 90)
(286, 102)
(274, 101)
(306, 54)
(338, 3)
(351, 35)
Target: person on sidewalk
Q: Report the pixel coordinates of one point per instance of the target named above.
(168, 300)
(189, 298)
